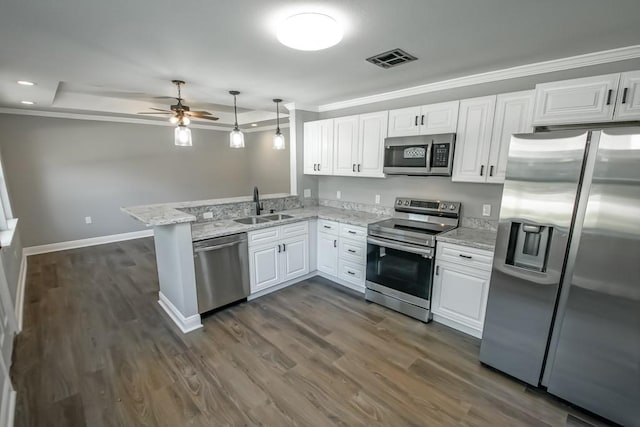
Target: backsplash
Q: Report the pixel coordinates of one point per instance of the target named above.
(353, 206)
(242, 209)
(479, 223)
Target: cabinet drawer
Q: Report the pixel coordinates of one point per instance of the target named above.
(263, 236)
(295, 229)
(470, 257)
(353, 232)
(328, 227)
(353, 251)
(351, 272)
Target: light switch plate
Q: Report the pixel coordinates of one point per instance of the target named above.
(307, 192)
(486, 210)
(377, 199)
(207, 215)
(338, 194)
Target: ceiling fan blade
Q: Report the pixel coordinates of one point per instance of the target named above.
(161, 113)
(206, 118)
(199, 113)
(161, 109)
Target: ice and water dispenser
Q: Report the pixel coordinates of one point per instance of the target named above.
(528, 246)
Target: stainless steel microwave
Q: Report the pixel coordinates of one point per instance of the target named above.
(419, 155)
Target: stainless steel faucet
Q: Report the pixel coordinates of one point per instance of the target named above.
(256, 200)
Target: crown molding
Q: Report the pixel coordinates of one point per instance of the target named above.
(264, 128)
(102, 118)
(298, 106)
(572, 62)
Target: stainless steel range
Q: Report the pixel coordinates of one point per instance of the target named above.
(401, 253)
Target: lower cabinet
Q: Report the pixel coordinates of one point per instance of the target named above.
(328, 253)
(276, 258)
(461, 287)
(342, 253)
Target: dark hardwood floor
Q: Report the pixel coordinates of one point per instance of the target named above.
(97, 350)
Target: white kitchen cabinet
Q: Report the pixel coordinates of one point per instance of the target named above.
(346, 153)
(318, 147)
(278, 254)
(373, 131)
(461, 287)
(424, 120)
(473, 142)
(628, 101)
(585, 100)
(327, 253)
(342, 253)
(514, 114)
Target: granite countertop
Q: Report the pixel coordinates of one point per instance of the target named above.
(472, 237)
(170, 213)
(210, 229)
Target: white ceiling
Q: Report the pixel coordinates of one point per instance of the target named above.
(117, 55)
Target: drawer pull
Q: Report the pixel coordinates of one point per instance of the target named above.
(466, 256)
(335, 243)
(351, 250)
(351, 272)
(351, 232)
(327, 226)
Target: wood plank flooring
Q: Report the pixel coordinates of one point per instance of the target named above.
(97, 350)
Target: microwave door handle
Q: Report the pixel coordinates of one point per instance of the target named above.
(429, 156)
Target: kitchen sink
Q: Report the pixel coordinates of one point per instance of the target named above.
(251, 220)
(277, 217)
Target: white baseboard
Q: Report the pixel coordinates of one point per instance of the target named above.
(457, 325)
(186, 324)
(11, 408)
(20, 291)
(339, 281)
(281, 286)
(73, 244)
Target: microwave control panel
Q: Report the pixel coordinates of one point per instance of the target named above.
(440, 155)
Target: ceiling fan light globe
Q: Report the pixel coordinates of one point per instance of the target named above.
(236, 139)
(173, 120)
(182, 136)
(186, 120)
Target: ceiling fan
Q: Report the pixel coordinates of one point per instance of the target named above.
(180, 113)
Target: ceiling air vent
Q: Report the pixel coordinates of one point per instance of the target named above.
(391, 58)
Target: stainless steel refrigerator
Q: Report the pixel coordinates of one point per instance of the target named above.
(564, 301)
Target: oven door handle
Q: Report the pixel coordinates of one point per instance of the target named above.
(425, 252)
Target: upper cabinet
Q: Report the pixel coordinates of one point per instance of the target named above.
(612, 97)
(354, 145)
(485, 127)
(318, 147)
(425, 120)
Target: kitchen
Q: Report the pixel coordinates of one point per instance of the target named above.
(411, 218)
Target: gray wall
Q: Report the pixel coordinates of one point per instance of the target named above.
(268, 168)
(61, 170)
(473, 196)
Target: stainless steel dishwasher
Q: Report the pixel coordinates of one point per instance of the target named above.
(222, 271)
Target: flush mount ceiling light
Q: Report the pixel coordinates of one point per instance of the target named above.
(236, 137)
(25, 83)
(310, 31)
(278, 138)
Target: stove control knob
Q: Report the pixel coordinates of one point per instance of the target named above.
(443, 206)
(406, 203)
(452, 207)
(399, 202)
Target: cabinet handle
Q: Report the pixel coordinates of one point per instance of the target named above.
(624, 95)
(319, 167)
(609, 93)
(359, 167)
(491, 171)
(466, 256)
(284, 247)
(351, 250)
(437, 270)
(351, 272)
(279, 249)
(335, 243)
(327, 226)
(351, 232)
(422, 121)
(416, 123)
(354, 167)
(315, 166)
(482, 170)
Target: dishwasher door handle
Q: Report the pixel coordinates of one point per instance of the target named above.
(213, 248)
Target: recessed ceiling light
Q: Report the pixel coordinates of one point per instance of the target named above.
(310, 31)
(25, 83)
(27, 102)
(254, 125)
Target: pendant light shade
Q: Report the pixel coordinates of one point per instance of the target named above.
(278, 138)
(182, 136)
(236, 137)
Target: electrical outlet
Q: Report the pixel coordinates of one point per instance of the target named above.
(307, 192)
(338, 194)
(377, 199)
(88, 220)
(207, 215)
(486, 210)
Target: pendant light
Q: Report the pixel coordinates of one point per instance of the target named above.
(182, 135)
(236, 137)
(278, 138)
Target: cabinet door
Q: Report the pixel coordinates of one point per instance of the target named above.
(373, 131)
(328, 254)
(311, 146)
(514, 113)
(325, 156)
(475, 124)
(404, 122)
(264, 267)
(295, 257)
(439, 118)
(628, 103)
(460, 294)
(586, 100)
(345, 145)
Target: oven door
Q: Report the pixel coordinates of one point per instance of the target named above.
(400, 270)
